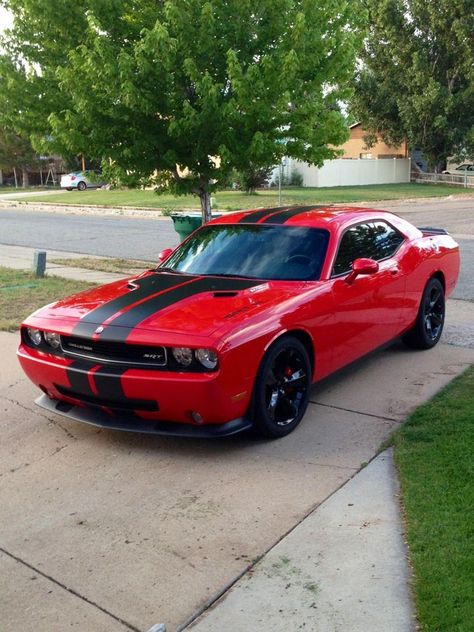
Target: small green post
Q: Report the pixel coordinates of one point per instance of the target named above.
(39, 263)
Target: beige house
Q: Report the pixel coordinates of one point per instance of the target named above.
(355, 147)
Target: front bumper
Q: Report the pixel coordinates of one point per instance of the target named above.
(138, 399)
(120, 421)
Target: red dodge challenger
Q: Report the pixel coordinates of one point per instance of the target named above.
(235, 324)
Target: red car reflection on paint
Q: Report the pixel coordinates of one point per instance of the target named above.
(233, 327)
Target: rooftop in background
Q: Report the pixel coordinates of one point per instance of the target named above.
(355, 147)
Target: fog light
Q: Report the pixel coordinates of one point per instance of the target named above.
(183, 355)
(197, 417)
(35, 336)
(207, 358)
(52, 339)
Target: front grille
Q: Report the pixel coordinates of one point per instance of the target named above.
(113, 352)
(114, 404)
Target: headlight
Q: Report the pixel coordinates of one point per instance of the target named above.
(207, 358)
(35, 336)
(52, 339)
(183, 355)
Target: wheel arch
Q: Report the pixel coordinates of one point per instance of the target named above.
(305, 339)
(441, 278)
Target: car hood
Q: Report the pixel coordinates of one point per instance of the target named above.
(165, 302)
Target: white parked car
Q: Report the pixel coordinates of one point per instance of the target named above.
(466, 166)
(81, 180)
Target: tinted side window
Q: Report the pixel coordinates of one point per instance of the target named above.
(356, 242)
(375, 240)
(386, 240)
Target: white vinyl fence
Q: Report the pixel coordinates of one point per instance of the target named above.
(340, 172)
(462, 179)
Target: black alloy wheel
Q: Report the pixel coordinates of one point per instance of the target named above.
(282, 388)
(428, 327)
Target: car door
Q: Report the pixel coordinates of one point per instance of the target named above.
(367, 312)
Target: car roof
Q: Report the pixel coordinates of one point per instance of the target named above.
(310, 216)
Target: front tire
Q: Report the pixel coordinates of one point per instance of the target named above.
(282, 387)
(428, 327)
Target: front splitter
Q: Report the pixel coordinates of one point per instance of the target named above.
(96, 417)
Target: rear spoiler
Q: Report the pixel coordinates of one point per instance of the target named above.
(429, 230)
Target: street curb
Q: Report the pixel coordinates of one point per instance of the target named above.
(78, 209)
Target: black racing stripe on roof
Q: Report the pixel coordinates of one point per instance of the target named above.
(146, 286)
(119, 328)
(256, 216)
(282, 216)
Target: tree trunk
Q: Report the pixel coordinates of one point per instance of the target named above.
(25, 178)
(205, 199)
(16, 179)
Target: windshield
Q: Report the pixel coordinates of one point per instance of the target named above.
(256, 251)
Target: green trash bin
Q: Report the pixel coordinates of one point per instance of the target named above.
(186, 223)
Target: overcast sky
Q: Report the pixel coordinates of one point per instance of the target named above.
(5, 19)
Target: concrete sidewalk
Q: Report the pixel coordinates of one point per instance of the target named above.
(21, 258)
(343, 568)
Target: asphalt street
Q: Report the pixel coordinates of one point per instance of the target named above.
(143, 238)
(129, 237)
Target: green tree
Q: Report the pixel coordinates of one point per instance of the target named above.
(253, 178)
(16, 153)
(416, 79)
(182, 92)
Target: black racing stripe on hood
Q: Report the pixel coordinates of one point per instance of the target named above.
(121, 326)
(256, 216)
(146, 286)
(282, 216)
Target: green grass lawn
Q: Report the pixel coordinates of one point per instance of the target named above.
(235, 200)
(434, 452)
(21, 293)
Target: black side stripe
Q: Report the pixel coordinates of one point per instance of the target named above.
(256, 216)
(146, 286)
(119, 328)
(283, 216)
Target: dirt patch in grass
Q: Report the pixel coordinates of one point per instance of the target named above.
(21, 293)
(434, 452)
(127, 266)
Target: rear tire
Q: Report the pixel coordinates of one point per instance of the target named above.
(282, 387)
(81, 186)
(428, 327)
(68, 188)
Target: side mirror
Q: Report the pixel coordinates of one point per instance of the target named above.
(362, 266)
(164, 254)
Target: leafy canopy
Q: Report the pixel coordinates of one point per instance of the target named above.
(416, 79)
(189, 89)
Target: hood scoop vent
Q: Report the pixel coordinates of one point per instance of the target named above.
(225, 294)
(132, 285)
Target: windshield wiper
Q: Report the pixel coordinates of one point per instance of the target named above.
(234, 276)
(161, 269)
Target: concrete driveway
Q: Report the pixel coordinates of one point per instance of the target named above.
(106, 531)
